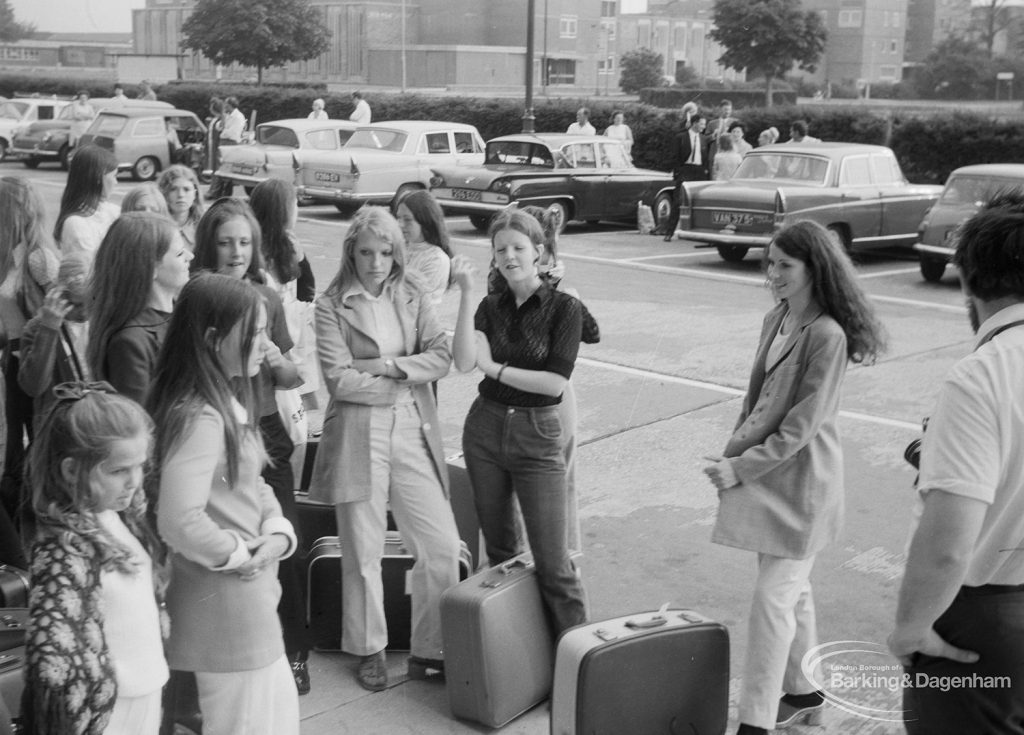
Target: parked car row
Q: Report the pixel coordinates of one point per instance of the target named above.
(19, 113)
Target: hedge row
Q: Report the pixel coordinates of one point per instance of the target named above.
(927, 148)
(711, 98)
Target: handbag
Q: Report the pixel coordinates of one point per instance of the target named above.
(591, 333)
(293, 414)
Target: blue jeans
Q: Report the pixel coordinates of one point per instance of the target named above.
(520, 451)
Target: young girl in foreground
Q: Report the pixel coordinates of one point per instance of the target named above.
(94, 648)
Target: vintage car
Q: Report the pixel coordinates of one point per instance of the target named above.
(18, 113)
(580, 177)
(48, 140)
(381, 162)
(967, 189)
(145, 141)
(857, 191)
(269, 156)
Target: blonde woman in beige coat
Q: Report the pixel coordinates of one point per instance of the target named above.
(780, 482)
(380, 347)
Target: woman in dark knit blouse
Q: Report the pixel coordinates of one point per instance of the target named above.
(524, 339)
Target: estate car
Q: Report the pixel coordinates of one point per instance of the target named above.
(145, 141)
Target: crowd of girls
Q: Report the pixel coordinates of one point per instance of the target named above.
(162, 537)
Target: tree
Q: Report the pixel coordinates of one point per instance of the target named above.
(767, 37)
(259, 33)
(640, 69)
(989, 20)
(956, 68)
(10, 29)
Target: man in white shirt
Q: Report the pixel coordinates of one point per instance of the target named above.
(960, 613)
(361, 115)
(798, 133)
(582, 125)
(232, 127)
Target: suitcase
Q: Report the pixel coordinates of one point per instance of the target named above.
(315, 520)
(323, 610)
(13, 587)
(645, 674)
(13, 623)
(498, 644)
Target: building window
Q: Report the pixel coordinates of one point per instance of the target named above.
(561, 71)
(887, 72)
(606, 66)
(608, 28)
(893, 47)
(679, 40)
(608, 8)
(851, 18)
(896, 19)
(568, 26)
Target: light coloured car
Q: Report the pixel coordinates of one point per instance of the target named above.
(967, 190)
(383, 161)
(145, 141)
(578, 177)
(857, 191)
(18, 113)
(49, 140)
(269, 155)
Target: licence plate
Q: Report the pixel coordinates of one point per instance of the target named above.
(740, 219)
(245, 169)
(327, 176)
(466, 195)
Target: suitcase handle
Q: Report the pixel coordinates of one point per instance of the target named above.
(656, 620)
(506, 569)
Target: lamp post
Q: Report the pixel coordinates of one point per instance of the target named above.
(403, 47)
(528, 117)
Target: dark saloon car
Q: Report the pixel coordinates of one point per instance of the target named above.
(146, 141)
(856, 191)
(966, 191)
(581, 177)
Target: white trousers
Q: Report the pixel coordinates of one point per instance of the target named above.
(781, 630)
(402, 470)
(135, 715)
(257, 702)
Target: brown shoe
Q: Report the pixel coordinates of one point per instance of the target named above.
(373, 672)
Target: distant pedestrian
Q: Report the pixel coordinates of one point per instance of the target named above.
(146, 91)
(232, 128)
(798, 133)
(361, 115)
(719, 127)
(959, 615)
(739, 143)
(119, 94)
(726, 160)
(689, 162)
(582, 125)
(318, 113)
(82, 115)
(620, 131)
(780, 482)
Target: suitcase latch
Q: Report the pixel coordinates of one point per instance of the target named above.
(605, 635)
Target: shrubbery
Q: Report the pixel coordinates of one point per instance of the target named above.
(927, 148)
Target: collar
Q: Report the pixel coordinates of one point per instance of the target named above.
(998, 321)
(542, 295)
(355, 290)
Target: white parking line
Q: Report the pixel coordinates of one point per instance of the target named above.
(693, 254)
(893, 272)
(732, 392)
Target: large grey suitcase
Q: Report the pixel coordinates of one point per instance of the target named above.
(498, 644)
(644, 674)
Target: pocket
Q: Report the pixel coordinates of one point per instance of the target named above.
(548, 425)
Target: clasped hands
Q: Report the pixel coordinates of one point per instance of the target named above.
(264, 550)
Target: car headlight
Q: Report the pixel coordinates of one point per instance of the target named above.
(436, 181)
(502, 186)
(46, 137)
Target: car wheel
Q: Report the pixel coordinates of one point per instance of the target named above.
(838, 235)
(31, 163)
(662, 209)
(347, 209)
(64, 156)
(561, 215)
(145, 169)
(480, 221)
(402, 191)
(3, 149)
(732, 253)
(932, 269)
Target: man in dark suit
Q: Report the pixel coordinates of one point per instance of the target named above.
(690, 162)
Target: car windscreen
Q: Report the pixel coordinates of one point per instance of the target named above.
(523, 153)
(383, 140)
(109, 126)
(974, 190)
(13, 110)
(277, 135)
(783, 167)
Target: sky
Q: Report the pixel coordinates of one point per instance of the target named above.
(115, 16)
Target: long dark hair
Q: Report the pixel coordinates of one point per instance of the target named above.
(122, 277)
(429, 216)
(835, 287)
(218, 213)
(271, 201)
(83, 191)
(190, 373)
(22, 222)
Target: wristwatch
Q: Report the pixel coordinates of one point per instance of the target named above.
(389, 365)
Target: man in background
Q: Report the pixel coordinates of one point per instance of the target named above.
(582, 125)
(361, 115)
(689, 162)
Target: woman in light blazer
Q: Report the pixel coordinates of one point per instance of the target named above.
(780, 482)
(380, 347)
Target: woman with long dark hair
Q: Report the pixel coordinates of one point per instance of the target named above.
(429, 254)
(85, 210)
(139, 270)
(780, 483)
